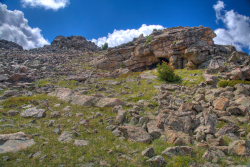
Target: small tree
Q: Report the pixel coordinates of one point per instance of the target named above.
(105, 46)
(166, 73)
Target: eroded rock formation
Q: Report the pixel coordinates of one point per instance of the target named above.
(182, 47)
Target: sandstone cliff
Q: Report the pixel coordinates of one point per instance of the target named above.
(182, 47)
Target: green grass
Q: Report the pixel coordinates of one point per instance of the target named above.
(61, 82)
(103, 144)
(190, 77)
(221, 124)
(225, 83)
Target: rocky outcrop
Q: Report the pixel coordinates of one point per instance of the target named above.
(181, 47)
(74, 42)
(11, 46)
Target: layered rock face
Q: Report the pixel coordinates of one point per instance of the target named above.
(182, 47)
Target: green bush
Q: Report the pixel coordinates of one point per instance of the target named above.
(149, 39)
(225, 83)
(105, 46)
(166, 73)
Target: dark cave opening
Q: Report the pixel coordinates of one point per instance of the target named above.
(161, 60)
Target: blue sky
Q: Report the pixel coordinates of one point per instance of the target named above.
(97, 18)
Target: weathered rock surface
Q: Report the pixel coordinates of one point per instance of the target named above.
(66, 137)
(178, 150)
(81, 143)
(76, 98)
(15, 142)
(74, 42)
(34, 113)
(157, 161)
(11, 46)
(136, 134)
(240, 147)
(190, 47)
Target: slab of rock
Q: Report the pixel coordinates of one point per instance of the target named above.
(240, 147)
(33, 113)
(243, 101)
(178, 150)
(66, 137)
(83, 100)
(213, 155)
(178, 137)
(62, 93)
(158, 161)
(68, 95)
(109, 102)
(136, 134)
(221, 103)
(81, 143)
(15, 142)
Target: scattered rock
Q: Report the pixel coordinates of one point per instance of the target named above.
(240, 147)
(158, 161)
(81, 143)
(34, 113)
(178, 150)
(66, 137)
(221, 103)
(149, 152)
(136, 134)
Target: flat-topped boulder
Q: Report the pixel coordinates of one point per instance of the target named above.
(69, 95)
(15, 142)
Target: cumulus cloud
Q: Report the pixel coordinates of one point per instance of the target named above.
(237, 28)
(119, 37)
(47, 4)
(14, 27)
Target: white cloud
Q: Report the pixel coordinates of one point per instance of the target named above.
(237, 28)
(47, 4)
(119, 37)
(14, 27)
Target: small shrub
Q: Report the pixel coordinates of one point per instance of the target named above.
(225, 83)
(149, 39)
(166, 73)
(105, 46)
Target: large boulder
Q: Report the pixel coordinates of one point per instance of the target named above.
(136, 134)
(68, 95)
(15, 142)
(33, 113)
(178, 151)
(240, 147)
